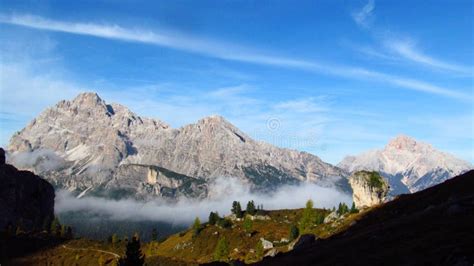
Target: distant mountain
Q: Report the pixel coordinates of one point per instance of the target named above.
(88, 146)
(408, 164)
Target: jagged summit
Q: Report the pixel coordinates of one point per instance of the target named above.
(88, 139)
(87, 97)
(409, 164)
(404, 142)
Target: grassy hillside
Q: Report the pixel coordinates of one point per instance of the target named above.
(185, 248)
(242, 245)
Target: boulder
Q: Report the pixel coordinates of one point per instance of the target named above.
(333, 216)
(260, 217)
(266, 244)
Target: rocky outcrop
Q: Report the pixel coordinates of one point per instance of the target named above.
(81, 144)
(26, 200)
(369, 188)
(408, 164)
(332, 217)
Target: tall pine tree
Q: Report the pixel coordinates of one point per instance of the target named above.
(213, 218)
(133, 254)
(251, 208)
(196, 227)
(309, 218)
(154, 234)
(221, 253)
(237, 209)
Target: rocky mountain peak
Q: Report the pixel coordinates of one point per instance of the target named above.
(219, 126)
(410, 165)
(406, 143)
(215, 121)
(87, 98)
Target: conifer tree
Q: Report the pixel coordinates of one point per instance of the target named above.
(308, 219)
(69, 233)
(342, 209)
(248, 225)
(133, 254)
(196, 226)
(221, 253)
(353, 208)
(56, 227)
(294, 232)
(154, 234)
(237, 209)
(213, 218)
(251, 208)
(259, 250)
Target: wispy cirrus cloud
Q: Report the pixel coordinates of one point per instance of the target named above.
(226, 51)
(364, 16)
(408, 50)
(391, 48)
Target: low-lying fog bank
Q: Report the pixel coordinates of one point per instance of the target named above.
(180, 214)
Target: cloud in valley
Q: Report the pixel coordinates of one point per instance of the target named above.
(224, 192)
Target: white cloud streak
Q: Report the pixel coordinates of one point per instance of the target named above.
(363, 16)
(408, 50)
(225, 51)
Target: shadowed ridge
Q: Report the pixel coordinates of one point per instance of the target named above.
(430, 227)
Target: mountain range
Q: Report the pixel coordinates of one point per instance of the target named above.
(91, 147)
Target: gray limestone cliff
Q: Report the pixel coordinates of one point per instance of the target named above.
(369, 188)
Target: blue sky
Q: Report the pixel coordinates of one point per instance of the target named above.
(329, 77)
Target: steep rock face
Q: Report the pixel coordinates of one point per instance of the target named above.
(152, 181)
(408, 164)
(25, 199)
(369, 188)
(81, 144)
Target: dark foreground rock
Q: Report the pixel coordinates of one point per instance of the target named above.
(305, 241)
(430, 227)
(26, 200)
